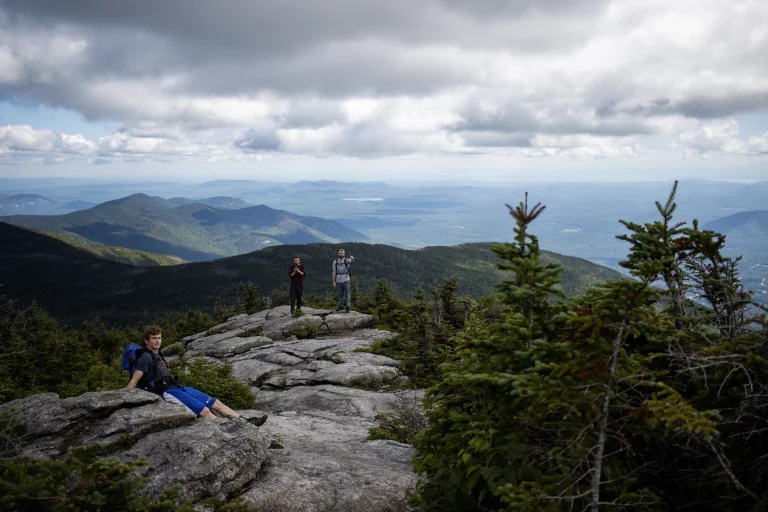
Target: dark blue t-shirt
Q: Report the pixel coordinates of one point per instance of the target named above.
(146, 365)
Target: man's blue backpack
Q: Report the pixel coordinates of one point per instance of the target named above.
(131, 355)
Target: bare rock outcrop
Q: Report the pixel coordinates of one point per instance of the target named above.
(206, 457)
(321, 393)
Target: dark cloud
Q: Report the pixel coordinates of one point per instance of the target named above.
(494, 73)
(490, 139)
(278, 27)
(513, 119)
(711, 107)
(334, 48)
(258, 140)
(702, 106)
(101, 161)
(507, 118)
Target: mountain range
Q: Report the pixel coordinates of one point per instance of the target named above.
(189, 230)
(36, 204)
(73, 284)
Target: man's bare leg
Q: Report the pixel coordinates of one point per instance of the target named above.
(225, 411)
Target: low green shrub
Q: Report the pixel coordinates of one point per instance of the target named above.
(215, 380)
(404, 425)
(309, 331)
(84, 481)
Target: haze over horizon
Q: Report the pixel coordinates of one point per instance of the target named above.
(455, 90)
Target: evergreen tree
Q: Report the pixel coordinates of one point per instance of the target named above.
(661, 241)
(250, 301)
(473, 446)
(529, 291)
(386, 308)
(566, 406)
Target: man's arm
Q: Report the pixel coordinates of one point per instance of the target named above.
(135, 378)
(298, 269)
(333, 275)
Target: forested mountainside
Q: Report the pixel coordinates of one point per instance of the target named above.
(73, 284)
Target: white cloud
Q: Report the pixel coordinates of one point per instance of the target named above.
(602, 79)
(722, 137)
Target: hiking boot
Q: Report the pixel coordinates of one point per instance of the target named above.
(257, 421)
(347, 310)
(339, 308)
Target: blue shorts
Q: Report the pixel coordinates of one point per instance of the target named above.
(190, 398)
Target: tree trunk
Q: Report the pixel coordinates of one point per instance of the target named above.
(597, 469)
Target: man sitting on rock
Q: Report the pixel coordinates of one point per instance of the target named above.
(152, 374)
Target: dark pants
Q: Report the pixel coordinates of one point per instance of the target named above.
(296, 291)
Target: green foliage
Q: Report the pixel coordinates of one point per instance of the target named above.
(425, 328)
(83, 481)
(249, 299)
(622, 396)
(280, 297)
(307, 331)
(404, 425)
(38, 267)
(215, 380)
(38, 355)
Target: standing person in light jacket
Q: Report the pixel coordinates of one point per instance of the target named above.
(297, 271)
(340, 277)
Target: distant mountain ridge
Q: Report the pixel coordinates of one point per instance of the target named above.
(193, 231)
(755, 220)
(746, 235)
(73, 284)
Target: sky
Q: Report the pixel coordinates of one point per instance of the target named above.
(466, 90)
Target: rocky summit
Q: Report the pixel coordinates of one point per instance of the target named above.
(312, 454)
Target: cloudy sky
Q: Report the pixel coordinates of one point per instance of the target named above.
(402, 89)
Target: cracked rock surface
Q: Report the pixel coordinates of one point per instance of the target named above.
(304, 385)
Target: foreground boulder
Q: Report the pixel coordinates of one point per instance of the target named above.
(327, 463)
(207, 458)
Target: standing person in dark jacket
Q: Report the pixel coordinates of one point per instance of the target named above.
(297, 273)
